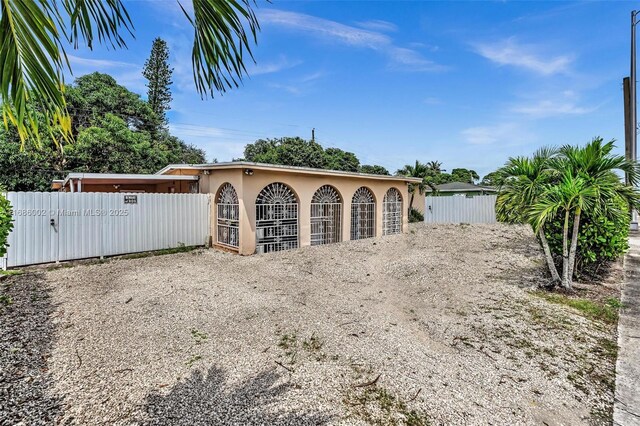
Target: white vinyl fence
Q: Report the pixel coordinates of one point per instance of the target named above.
(57, 226)
(460, 209)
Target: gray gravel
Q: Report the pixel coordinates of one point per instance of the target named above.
(435, 326)
(26, 333)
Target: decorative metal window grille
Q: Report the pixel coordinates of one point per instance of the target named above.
(392, 212)
(276, 219)
(363, 214)
(228, 215)
(326, 216)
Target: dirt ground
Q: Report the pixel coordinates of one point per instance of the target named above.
(436, 326)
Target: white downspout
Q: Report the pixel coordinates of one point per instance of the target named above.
(71, 185)
(79, 184)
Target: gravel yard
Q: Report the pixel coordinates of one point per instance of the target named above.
(436, 326)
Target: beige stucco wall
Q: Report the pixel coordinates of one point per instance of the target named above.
(419, 202)
(304, 186)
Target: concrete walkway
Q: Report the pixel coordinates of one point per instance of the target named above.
(626, 410)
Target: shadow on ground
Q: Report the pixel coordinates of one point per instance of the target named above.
(26, 339)
(206, 399)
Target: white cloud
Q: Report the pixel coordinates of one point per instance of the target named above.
(222, 144)
(421, 45)
(97, 64)
(407, 58)
(509, 52)
(313, 76)
(126, 74)
(510, 133)
(193, 130)
(400, 57)
(289, 88)
(272, 67)
(549, 108)
(566, 102)
(378, 25)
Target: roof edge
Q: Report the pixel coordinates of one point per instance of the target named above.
(125, 176)
(292, 169)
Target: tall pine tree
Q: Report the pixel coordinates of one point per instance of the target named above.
(157, 72)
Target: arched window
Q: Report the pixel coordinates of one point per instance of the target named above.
(392, 212)
(363, 214)
(276, 218)
(228, 216)
(326, 216)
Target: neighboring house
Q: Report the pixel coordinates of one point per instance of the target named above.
(265, 207)
(118, 182)
(461, 188)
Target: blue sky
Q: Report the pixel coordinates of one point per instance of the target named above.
(465, 83)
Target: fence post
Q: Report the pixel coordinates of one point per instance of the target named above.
(3, 259)
(102, 220)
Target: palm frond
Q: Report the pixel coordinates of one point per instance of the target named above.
(34, 58)
(221, 43)
(31, 61)
(101, 18)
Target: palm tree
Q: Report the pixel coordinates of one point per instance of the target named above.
(32, 33)
(572, 194)
(525, 180)
(588, 182)
(435, 167)
(419, 170)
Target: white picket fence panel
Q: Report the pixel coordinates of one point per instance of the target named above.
(460, 209)
(58, 226)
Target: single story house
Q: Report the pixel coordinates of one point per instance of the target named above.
(119, 182)
(460, 188)
(259, 208)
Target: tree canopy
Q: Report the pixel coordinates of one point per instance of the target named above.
(492, 179)
(115, 131)
(433, 174)
(295, 151)
(374, 170)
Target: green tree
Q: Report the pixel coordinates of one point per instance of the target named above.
(337, 159)
(288, 151)
(28, 170)
(6, 223)
(464, 175)
(418, 170)
(526, 179)
(107, 117)
(492, 179)
(374, 170)
(94, 95)
(111, 147)
(435, 167)
(158, 74)
(33, 33)
(587, 182)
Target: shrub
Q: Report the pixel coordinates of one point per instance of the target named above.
(415, 216)
(6, 223)
(602, 239)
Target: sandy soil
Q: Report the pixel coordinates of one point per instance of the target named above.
(437, 326)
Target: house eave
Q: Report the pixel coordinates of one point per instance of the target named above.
(281, 168)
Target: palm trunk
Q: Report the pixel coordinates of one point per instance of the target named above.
(547, 253)
(574, 244)
(565, 252)
(411, 202)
